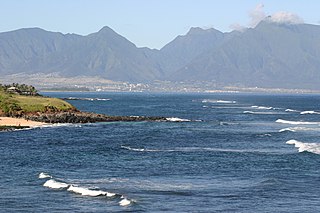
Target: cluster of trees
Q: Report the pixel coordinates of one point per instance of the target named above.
(21, 89)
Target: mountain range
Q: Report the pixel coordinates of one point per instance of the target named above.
(270, 55)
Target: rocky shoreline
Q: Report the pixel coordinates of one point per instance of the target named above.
(84, 117)
(12, 128)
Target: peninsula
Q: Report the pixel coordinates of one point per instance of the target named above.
(21, 106)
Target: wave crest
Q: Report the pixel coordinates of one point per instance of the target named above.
(262, 107)
(309, 112)
(296, 122)
(53, 184)
(89, 192)
(308, 147)
(218, 101)
(174, 119)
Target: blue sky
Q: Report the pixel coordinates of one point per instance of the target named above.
(151, 23)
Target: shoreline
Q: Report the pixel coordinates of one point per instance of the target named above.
(19, 122)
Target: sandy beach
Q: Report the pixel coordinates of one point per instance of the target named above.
(8, 121)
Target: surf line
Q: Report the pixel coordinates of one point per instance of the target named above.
(57, 185)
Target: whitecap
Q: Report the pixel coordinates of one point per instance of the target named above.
(289, 129)
(87, 99)
(261, 113)
(44, 175)
(133, 149)
(197, 149)
(296, 122)
(174, 119)
(55, 184)
(308, 147)
(89, 192)
(124, 201)
(218, 101)
(309, 112)
(262, 107)
(298, 128)
(291, 110)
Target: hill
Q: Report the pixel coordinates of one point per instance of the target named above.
(13, 103)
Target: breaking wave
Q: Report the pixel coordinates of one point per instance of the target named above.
(44, 175)
(261, 113)
(89, 192)
(295, 129)
(87, 99)
(53, 184)
(291, 110)
(262, 107)
(125, 201)
(197, 149)
(305, 147)
(218, 101)
(309, 112)
(174, 119)
(296, 122)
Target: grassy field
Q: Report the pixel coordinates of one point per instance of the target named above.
(14, 104)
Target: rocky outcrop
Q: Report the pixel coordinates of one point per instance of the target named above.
(84, 117)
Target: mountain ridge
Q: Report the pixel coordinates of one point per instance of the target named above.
(269, 55)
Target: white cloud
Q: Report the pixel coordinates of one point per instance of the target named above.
(256, 15)
(237, 27)
(286, 18)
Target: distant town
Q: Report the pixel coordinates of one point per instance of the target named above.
(54, 82)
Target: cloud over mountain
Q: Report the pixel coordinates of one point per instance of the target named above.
(283, 17)
(257, 15)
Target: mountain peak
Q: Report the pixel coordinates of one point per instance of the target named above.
(106, 29)
(199, 31)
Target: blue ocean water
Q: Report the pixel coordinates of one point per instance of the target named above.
(233, 153)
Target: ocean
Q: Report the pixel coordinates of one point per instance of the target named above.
(229, 153)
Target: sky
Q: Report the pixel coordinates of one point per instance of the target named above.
(149, 23)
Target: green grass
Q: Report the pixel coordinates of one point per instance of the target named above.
(14, 104)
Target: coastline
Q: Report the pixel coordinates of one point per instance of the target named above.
(19, 122)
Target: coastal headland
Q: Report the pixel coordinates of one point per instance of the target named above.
(21, 107)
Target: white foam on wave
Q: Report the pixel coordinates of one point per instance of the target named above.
(308, 147)
(291, 110)
(296, 122)
(56, 125)
(218, 101)
(289, 129)
(125, 201)
(89, 192)
(44, 175)
(139, 149)
(88, 99)
(196, 149)
(260, 113)
(309, 112)
(262, 107)
(53, 184)
(174, 119)
(298, 128)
